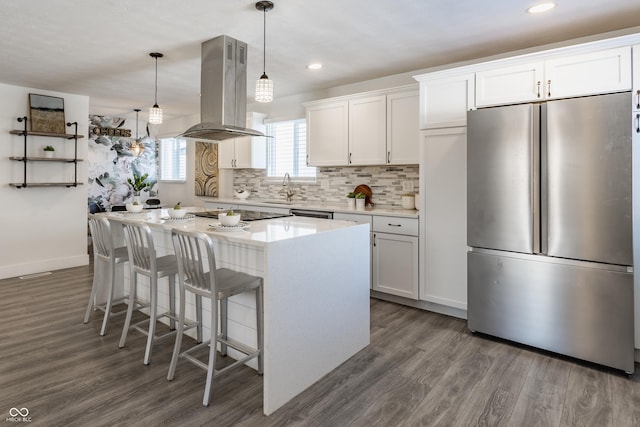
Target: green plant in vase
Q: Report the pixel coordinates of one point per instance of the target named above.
(139, 183)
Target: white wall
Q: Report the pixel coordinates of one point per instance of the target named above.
(41, 228)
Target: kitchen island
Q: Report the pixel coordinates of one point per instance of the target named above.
(316, 292)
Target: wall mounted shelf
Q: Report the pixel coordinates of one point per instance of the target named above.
(25, 159)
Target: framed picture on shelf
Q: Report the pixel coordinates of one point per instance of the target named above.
(47, 113)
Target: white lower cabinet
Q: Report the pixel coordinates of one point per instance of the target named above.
(394, 255)
(443, 185)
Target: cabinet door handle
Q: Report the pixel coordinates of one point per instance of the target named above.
(538, 84)
(374, 239)
(349, 158)
(307, 160)
(638, 97)
(637, 123)
(388, 156)
(549, 88)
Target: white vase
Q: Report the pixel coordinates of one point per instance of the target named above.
(351, 203)
(48, 154)
(360, 204)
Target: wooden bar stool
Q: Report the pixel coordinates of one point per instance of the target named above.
(143, 260)
(104, 252)
(198, 274)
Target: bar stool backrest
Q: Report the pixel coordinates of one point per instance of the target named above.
(101, 236)
(139, 241)
(192, 266)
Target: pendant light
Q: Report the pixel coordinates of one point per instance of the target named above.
(155, 112)
(136, 148)
(264, 86)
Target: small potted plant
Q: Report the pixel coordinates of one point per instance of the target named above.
(360, 201)
(135, 207)
(351, 200)
(48, 151)
(177, 211)
(229, 218)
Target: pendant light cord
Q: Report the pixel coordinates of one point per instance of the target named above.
(264, 41)
(156, 94)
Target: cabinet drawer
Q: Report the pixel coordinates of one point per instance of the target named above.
(395, 225)
(359, 218)
(219, 205)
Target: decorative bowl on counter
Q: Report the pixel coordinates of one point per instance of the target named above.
(134, 208)
(177, 213)
(229, 220)
(242, 195)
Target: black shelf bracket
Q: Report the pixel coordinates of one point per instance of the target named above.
(75, 152)
(24, 158)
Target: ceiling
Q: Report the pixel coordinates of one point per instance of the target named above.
(101, 49)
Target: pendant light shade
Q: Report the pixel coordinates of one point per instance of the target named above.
(264, 86)
(155, 112)
(136, 148)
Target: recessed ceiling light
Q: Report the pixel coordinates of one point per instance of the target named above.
(314, 66)
(541, 7)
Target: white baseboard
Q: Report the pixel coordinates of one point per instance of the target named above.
(40, 266)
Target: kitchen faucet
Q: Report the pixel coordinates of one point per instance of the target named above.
(287, 189)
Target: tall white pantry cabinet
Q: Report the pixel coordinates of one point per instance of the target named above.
(605, 66)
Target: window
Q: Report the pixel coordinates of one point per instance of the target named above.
(173, 159)
(287, 150)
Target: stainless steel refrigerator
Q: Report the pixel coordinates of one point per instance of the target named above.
(549, 213)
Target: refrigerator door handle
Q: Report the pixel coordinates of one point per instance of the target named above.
(535, 177)
(543, 208)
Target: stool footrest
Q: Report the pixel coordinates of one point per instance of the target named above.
(250, 354)
(139, 328)
(243, 348)
(103, 307)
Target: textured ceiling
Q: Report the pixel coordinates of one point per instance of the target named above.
(101, 49)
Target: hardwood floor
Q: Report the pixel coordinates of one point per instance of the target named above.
(420, 369)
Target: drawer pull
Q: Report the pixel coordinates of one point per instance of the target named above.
(394, 225)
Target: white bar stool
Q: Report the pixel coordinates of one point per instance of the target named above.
(200, 276)
(143, 260)
(104, 252)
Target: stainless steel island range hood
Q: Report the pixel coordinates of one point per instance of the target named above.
(223, 91)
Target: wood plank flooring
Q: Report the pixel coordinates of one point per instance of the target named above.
(421, 369)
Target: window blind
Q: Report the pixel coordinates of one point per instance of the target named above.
(287, 150)
(173, 159)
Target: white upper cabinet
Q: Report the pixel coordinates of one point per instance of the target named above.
(403, 133)
(560, 77)
(368, 131)
(506, 85)
(444, 101)
(249, 152)
(328, 134)
(636, 78)
(588, 74)
(378, 129)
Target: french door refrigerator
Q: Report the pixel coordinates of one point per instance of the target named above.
(549, 211)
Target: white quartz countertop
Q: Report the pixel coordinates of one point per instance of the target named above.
(320, 206)
(257, 233)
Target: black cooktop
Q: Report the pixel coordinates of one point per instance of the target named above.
(244, 215)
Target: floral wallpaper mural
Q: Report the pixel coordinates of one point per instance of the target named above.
(112, 163)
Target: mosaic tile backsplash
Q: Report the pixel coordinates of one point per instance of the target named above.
(333, 183)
